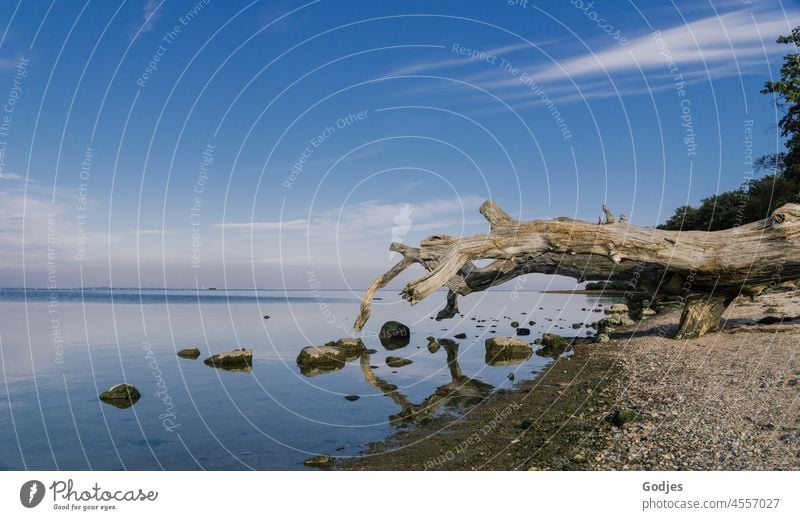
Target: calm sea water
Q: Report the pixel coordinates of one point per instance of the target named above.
(60, 349)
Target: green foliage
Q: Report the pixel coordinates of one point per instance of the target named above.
(759, 197)
(787, 94)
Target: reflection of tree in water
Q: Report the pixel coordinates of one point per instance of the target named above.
(460, 391)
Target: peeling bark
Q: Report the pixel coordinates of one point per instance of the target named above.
(742, 260)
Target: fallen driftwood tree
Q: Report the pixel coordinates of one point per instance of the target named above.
(706, 270)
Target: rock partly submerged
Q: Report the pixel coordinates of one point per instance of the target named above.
(553, 345)
(121, 396)
(397, 362)
(189, 353)
(319, 360)
(320, 461)
(332, 356)
(352, 347)
(394, 335)
(237, 360)
(502, 351)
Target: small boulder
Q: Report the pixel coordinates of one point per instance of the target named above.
(237, 359)
(554, 341)
(433, 345)
(319, 360)
(602, 338)
(189, 353)
(121, 396)
(352, 397)
(617, 308)
(522, 331)
(394, 335)
(320, 461)
(626, 321)
(553, 346)
(622, 417)
(648, 312)
(514, 324)
(352, 347)
(266, 317)
(397, 362)
(506, 351)
(461, 335)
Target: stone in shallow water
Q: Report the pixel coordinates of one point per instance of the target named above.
(189, 353)
(319, 360)
(394, 335)
(237, 360)
(121, 396)
(522, 331)
(397, 362)
(352, 397)
(506, 351)
(554, 345)
(352, 347)
(461, 335)
(320, 461)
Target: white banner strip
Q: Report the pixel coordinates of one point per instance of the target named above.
(388, 495)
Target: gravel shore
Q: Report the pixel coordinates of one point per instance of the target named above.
(727, 401)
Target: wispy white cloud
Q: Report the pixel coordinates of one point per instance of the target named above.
(11, 177)
(705, 43)
(730, 44)
(373, 218)
(152, 232)
(263, 226)
(456, 60)
(150, 16)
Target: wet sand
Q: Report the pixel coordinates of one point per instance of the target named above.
(727, 401)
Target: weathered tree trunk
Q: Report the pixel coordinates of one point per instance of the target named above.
(701, 314)
(717, 266)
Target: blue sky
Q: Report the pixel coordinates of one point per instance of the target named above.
(259, 142)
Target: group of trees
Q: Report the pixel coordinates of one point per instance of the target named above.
(780, 173)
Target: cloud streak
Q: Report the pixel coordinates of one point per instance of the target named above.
(730, 44)
(371, 218)
(150, 16)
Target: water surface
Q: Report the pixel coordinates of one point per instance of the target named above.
(60, 349)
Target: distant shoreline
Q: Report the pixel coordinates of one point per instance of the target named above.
(220, 289)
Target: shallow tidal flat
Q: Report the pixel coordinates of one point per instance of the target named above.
(727, 401)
